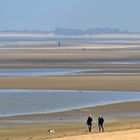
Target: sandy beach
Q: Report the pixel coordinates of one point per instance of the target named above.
(127, 135)
(104, 83)
(41, 132)
(20, 127)
(115, 57)
(69, 70)
(75, 56)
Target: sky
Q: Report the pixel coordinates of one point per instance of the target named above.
(48, 15)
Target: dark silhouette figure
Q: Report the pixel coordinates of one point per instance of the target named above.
(101, 123)
(89, 122)
(59, 44)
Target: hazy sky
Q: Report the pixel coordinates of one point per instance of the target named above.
(81, 14)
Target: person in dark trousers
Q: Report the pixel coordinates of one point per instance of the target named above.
(89, 122)
(101, 123)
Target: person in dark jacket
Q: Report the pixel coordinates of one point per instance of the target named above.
(101, 123)
(89, 122)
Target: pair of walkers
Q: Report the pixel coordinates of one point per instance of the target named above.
(100, 123)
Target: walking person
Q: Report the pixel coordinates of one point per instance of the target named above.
(89, 122)
(101, 123)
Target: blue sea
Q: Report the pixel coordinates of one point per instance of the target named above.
(20, 102)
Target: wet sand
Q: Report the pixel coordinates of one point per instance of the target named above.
(72, 57)
(72, 131)
(101, 83)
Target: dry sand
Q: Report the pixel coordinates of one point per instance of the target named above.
(123, 135)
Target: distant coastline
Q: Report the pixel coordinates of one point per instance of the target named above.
(70, 32)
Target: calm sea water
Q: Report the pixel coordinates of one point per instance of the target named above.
(38, 72)
(63, 71)
(74, 40)
(18, 102)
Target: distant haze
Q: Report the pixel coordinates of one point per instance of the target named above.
(47, 15)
